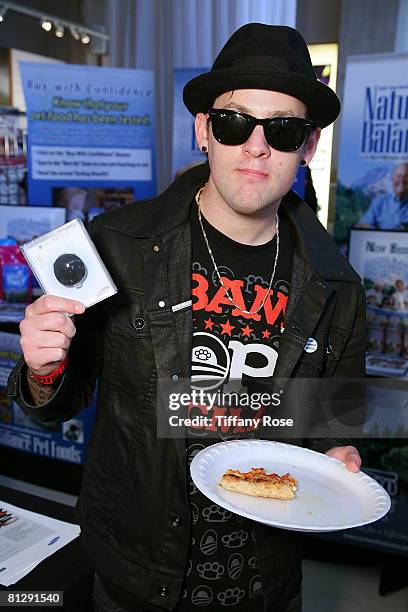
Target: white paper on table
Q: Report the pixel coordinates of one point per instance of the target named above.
(27, 538)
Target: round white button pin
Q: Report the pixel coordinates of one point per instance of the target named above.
(311, 346)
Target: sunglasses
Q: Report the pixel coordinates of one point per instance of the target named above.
(286, 134)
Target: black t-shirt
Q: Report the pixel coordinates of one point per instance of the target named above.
(222, 569)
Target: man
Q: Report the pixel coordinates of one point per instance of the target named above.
(390, 211)
(271, 296)
(399, 298)
(375, 296)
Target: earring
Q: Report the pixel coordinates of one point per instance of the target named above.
(204, 149)
(303, 162)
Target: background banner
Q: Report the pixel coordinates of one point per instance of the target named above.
(185, 149)
(381, 259)
(63, 441)
(91, 137)
(372, 188)
(324, 60)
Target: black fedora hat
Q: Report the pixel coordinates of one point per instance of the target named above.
(259, 56)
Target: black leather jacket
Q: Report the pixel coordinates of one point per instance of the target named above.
(133, 507)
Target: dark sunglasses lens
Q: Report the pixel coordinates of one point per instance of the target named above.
(286, 134)
(230, 128)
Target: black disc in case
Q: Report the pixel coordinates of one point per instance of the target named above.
(70, 270)
(66, 263)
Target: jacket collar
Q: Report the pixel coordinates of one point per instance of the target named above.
(314, 243)
(151, 218)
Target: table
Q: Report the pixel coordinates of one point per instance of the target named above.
(68, 570)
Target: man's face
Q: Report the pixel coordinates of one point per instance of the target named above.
(400, 285)
(400, 181)
(251, 177)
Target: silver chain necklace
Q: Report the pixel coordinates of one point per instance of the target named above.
(227, 294)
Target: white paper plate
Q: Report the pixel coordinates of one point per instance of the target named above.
(329, 497)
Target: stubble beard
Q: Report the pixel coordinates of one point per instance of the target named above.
(248, 201)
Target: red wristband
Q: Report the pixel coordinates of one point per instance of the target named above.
(50, 378)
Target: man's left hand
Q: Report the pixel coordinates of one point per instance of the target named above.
(349, 455)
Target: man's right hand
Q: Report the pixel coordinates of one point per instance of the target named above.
(47, 331)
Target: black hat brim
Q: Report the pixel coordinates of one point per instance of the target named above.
(323, 105)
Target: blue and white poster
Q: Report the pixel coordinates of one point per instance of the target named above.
(372, 187)
(91, 136)
(299, 186)
(372, 190)
(381, 260)
(62, 441)
(185, 148)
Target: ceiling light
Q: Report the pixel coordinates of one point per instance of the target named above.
(59, 30)
(74, 33)
(85, 38)
(46, 24)
(53, 23)
(3, 11)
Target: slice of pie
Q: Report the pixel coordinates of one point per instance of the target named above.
(258, 483)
